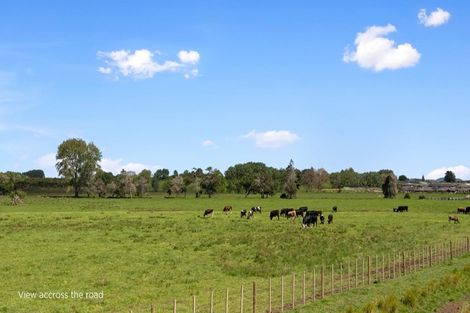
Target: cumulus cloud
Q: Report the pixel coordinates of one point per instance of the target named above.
(272, 138)
(141, 64)
(191, 56)
(435, 19)
(375, 51)
(208, 143)
(460, 171)
(116, 165)
(47, 163)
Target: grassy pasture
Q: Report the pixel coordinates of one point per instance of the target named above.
(139, 251)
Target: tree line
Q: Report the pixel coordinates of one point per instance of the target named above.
(78, 166)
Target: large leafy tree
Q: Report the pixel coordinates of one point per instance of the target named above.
(77, 160)
(449, 177)
(290, 186)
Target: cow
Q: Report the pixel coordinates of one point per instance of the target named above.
(256, 209)
(292, 214)
(274, 213)
(285, 211)
(208, 212)
(461, 210)
(283, 196)
(227, 209)
(322, 219)
(310, 220)
(314, 212)
(454, 218)
(403, 208)
(330, 218)
(302, 210)
(467, 210)
(251, 213)
(243, 213)
(335, 209)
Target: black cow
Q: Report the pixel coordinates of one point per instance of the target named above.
(251, 213)
(243, 213)
(314, 212)
(274, 213)
(285, 211)
(322, 219)
(335, 209)
(208, 212)
(283, 196)
(301, 211)
(330, 218)
(310, 220)
(256, 209)
(403, 208)
(467, 210)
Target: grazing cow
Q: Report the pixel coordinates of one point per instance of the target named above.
(243, 213)
(403, 208)
(330, 218)
(285, 211)
(251, 213)
(467, 210)
(274, 213)
(208, 212)
(302, 210)
(292, 214)
(322, 219)
(227, 209)
(310, 220)
(335, 209)
(283, 196)
(256, 209)
(454, 218)
(461, 210)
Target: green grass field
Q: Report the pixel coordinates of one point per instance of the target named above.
(153, 250)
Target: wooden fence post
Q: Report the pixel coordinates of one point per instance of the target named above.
(226, 300)
(430, 256)
(194, 304)
(355, 275)
(293, 290)
(376, 268)
(241, 299)
(468, 244)
(363, 272)
(282, 293)
(332, 280)
(341, 277)
(254, 297)
(394, 262)
(212, 302)
(450, 250)
(270, 297)
(383, 267)
(314, 285)
(389, 266)
(368, 271)
(349, 274)
(174, 306)
(303, 289)
(322, 281)
(404, 263)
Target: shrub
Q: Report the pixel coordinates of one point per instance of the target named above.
(407, 196)
(422, 197)
(388, 304)
(409, 298)
(369, 308)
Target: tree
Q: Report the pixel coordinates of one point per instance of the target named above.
(176, 185)
(402, 178)
(159, 176)
(143, 182)
(77, 161)
(290, 186)
(35, 174)
(212, 182)
(127, 187)
(449, 177)
(314, 179)
(390, 187)
(252, 177)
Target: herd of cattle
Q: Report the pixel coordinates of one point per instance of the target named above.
(309, 218)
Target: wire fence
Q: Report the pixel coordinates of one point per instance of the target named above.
(276, 295)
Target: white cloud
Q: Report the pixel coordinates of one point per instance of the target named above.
(272, 138)
(104, 70)
(116, 165)
(191, 56)
(47, 164)
(208, 143)
(435, 19)
(375, 51)
(460, 171)
(141, 64)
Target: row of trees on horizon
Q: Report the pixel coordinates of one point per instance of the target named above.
(78, 167)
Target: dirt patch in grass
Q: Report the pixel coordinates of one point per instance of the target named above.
(460, 306)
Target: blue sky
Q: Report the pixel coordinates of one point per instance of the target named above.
(185, 84)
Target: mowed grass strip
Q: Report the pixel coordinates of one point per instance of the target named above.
(154, 250)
